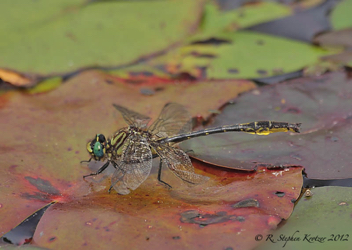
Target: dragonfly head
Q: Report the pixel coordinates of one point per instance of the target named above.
(97, 147)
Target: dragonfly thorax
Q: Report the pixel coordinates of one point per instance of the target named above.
(118, 138)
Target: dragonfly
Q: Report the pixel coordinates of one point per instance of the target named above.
(131, 149)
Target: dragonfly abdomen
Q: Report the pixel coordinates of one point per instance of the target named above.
(259, 128)
(268, 127)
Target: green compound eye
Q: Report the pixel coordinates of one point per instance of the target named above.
(98, 150)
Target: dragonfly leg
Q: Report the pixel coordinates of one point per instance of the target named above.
(99, 170)
(159, 174)
(86, 161)
(114, 164)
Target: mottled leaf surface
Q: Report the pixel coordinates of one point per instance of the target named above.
(46, 139)
(226, 212)
(322, 104)
(45, 134)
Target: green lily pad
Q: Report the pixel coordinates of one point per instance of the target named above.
(340, 16)
(216, 21)
(322, 221)
(241, 55)
(323, 106)
(50, 38)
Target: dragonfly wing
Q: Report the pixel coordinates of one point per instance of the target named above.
(173, 119)
(135, 165)
(133, 118)
(180, 164)
(117, 181)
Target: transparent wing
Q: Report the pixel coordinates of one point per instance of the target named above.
(173, 119)
(133, 118)
(179, 163)
(135, 165)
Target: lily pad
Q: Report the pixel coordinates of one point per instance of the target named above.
(322, 104)
(322, 221)
(340, 38)
(155, 217)
(241, 54)
(340, 16)
(47, 133)
(343, 59)
(67, 35)
(46, 141)
(216, 21)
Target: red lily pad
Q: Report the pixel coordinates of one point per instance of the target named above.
(45, 134)
(323, 106)
(46, 140)
(227, 212)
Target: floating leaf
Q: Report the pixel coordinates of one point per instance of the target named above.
(46, 134)
(229, 214)
(340, 38)
(308, 223)
(323, 106)
(47, 141)
(216, 21)
(67, 35)
(340, 16)
(344, 58)
(242, 55)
